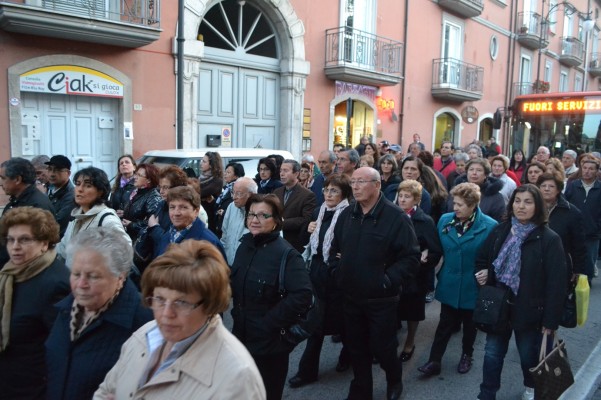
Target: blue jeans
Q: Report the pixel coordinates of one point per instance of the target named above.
(528, 344)
(592, 253)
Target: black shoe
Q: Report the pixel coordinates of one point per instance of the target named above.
(393, 392)
(342, 366)
(407, 356)
(429, 369)
(465, 364)
(336, 338)
(297, 381)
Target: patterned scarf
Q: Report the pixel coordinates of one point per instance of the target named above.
(327, 240)
(11, 274)
(509, 261)
(227, 189)
(460, 227)
(79, 322)
(176, 236)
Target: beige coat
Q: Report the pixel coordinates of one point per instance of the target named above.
(216, 366)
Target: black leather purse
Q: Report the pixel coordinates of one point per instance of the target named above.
(568, 318)
(491, 314)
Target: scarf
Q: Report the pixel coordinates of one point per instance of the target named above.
(10, 275)
(509, 260)
(460, 227)
(124, 181)
(176, 236)
(327, 240)
(227, 189)
(78, 321)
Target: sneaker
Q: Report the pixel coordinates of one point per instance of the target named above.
(528, 394)
(430, 297)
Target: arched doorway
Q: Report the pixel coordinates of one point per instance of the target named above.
(353, 119)
(486, 130)
(446, 127)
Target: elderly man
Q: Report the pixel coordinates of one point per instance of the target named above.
(374, 252)
(61, 191)
(298, 203)
(418, 142)
(233, 223)
(568, 160)
(41, 172)
(445, 164)
(347, 162)
(542, 154)
(327, 163)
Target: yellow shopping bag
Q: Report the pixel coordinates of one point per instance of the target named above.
(582, 294)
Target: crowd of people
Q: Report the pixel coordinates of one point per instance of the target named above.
(118, 292)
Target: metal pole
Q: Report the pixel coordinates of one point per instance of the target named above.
(543, 25)
(180, 75)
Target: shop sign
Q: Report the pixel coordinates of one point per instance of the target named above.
(346, 88)
(71, 80)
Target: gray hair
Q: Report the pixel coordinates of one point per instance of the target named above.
(40, 161)
(461, 157)
(308, 158)
(331, 155)
(353, 156)
(110, 244)
(570, 153)
(18, 166)
(294, 163)
(249, 183)
(476, 147)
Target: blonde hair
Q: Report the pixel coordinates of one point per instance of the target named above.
(469, 192)
(413, 187)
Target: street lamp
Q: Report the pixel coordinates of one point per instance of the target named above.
(569, 9)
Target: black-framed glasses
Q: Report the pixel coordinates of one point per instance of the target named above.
(158, 303)
(260, 216)
(23, 240)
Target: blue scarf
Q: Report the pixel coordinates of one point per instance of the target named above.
(176, 236)
(509, 260)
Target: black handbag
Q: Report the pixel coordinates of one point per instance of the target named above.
(491, 314)
(306, 322)
(569, 316)
(553, 375)
(143, 250)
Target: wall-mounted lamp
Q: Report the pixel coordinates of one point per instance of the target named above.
(384, 105)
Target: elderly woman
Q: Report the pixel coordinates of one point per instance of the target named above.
(30, 283)
(185, 353)
(94, 321)
(498, 166)
(184, 206)
(262, 317)
(515, 256)
(144, 200)
(461, 234)
(267, 177)
(305, 176)
(91, 193)
(532, 172)
(170, 177)
(412, 304)
(473, 151)
(554, 166)
(124, 183)
(211, 184)
(337, 192)
(366, 160)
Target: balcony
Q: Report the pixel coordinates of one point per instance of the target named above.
(361, 57)
(594, 65)
(455, 80)
(529, 31)
(126, 23)
(463, 8)
(572, 51)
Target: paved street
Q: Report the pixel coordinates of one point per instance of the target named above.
(450, 385)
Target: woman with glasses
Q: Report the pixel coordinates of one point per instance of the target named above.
(30, 283)
(262, 315)
(144, 200)
(102, 311)
(185, 353)
(337, 193)
(267, 177)
(92, 189)
(184, 205)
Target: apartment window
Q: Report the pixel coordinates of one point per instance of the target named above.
(563, 81)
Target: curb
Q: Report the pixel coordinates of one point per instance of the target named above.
(586, 380)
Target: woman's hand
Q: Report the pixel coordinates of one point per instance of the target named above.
(482, 277)
(424, 258)
(125, 222)
(153, 221)
(312, 226)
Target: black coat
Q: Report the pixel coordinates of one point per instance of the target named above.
(566, 220)
(210, 189)
(120, 197)
(259, 313)
(22, 364)
(63, 201)
(144, 204)
(540, 298)
(427, 236)
(491, 200)
(589, 206)
(379, 252)
(271, 185)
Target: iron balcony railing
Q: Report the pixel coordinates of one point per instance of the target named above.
(530, 23)
(135, 12)
(520, 88)
(456, 74)
(572, 47)
(353, 47)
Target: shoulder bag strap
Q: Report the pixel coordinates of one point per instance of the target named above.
(103, 217)
(281, 287)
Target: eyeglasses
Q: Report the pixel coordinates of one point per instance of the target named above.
(158, 303)
(260, 216)
(361, 182)
(164, 188)
(23, 240)
(333, 192)
(140, 176)
(238, 195)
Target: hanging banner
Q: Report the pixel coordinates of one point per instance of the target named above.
(71, 80)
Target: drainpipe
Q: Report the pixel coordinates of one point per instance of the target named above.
(180, 75)
(510, 73)
(402, 110)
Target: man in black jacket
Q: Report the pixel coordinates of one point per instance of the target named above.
(17, 179)
(61, 191)
(374, 252)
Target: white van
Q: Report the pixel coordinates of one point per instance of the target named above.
(189, 160)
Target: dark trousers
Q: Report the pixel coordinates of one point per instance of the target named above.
(449, 318)
(308, 367)
(371, 331)
(273, 369)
